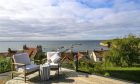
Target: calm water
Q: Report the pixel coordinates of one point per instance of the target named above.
(50, 45)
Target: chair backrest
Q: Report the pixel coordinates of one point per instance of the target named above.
(21, 58)
(50, 54)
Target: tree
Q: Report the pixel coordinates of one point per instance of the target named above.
(39, 55)
(123, 52)
(25, 47)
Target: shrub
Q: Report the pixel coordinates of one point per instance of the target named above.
(69, 65)
(5, 64)
(106, 74)
(40, 55)
(86, 66)
(98, 67)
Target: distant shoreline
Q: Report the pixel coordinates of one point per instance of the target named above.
(45, 40)
(49, 45)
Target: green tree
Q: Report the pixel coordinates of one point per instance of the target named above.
(40, 55)
(123, 52)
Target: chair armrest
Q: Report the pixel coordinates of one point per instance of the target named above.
(45, 59)
(35, 60)
(19, 64)
(40, 61)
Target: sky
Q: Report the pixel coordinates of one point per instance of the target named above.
(68, 19)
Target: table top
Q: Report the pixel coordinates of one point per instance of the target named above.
(45, 65)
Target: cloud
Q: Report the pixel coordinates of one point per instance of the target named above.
(68, 19)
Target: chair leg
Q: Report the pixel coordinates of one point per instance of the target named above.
(60, 67)
(58, 71)
(39, 73)
(25, 78)
(12, 75)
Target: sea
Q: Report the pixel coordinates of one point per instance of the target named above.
(78, 45)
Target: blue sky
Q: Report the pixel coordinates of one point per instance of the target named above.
(68, 19)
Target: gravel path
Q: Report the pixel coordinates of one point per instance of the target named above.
(67, 77)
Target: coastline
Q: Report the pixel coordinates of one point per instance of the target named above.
(52, 45)
(103, 44)
(4, 54)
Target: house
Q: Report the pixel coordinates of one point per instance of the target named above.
(97, 55)
(31, 51)
(66, 56)
(83, 55)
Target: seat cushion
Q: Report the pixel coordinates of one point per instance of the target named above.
(29, 68)
(54, 65)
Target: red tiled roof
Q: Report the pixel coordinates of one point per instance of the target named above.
(81, 54)
(31, 50)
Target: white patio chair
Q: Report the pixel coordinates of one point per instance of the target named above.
(53, 60)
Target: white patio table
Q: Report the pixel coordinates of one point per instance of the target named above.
(45, 72)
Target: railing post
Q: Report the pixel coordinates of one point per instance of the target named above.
(1, 67)
(76, 63)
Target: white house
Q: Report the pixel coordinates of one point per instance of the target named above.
(97, 55)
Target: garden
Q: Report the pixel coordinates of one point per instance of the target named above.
(121, 61)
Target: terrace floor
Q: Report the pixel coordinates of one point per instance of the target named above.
(66, 77)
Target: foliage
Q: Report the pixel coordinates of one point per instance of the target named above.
(86, 66)
(107, 74)
(25, 47)
(69, 65)
(98, 67)
(40, 55)
(123, 52)
(5, 64)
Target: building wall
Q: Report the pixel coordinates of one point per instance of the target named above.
(94, 56)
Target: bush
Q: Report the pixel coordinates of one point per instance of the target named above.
(5, 64)
(106, 74)
(123, 52)
(98, 68)
(40, 55)
(86, 66)
(69, 65)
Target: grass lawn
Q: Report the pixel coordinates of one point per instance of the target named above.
(128, 73)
